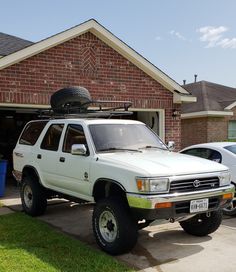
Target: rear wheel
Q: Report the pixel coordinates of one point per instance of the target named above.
(115, 230)
(202, 224)
(33, 197)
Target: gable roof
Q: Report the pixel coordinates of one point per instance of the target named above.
(212, 99)
(10, 44)
(180, 94)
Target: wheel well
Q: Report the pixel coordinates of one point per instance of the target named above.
(107, 188)
(31, 172)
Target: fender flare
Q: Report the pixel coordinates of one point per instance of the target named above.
(34, 170)
(112, 181)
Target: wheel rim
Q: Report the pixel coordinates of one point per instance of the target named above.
(231, 207)
(108, 226)
(28, 196)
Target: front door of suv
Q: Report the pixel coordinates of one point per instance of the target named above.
(73, 170)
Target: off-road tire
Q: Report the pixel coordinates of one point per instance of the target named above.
(33, 196)
(230, 210)
(126, 231)
(201, 224)
(74, 97)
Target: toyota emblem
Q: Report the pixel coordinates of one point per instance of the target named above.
(196, 183)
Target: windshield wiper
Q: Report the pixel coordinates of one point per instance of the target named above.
(118, 149)
(152, 146)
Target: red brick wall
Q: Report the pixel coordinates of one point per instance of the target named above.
(217, 129)
(203, 130)
(193, 131)
(88, 62)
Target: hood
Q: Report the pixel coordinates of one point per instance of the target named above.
(161, 163)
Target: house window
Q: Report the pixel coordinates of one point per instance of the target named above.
(232, 130)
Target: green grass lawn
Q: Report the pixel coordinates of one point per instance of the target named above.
(27, 244)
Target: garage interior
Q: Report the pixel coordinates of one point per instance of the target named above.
(12, 121)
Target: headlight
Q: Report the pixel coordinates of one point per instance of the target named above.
(225, 178)
(160, 185)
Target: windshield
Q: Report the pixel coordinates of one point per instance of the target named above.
(231, 148)
(133, 137)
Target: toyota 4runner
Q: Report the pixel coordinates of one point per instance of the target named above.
(126, 170)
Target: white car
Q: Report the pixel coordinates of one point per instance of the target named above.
(221, 152)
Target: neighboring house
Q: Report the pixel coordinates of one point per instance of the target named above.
(10, 44)
(212, 117)
(87, 55)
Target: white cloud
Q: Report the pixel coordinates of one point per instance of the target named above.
(228, 43)
(213, 36)
(178, 35)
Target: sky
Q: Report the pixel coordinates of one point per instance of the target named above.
(180, 37)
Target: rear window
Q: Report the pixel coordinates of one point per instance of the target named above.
(32, 132)
(231, 148)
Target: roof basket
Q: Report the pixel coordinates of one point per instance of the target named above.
(91, 109)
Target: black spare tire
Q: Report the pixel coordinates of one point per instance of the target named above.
(70, 97)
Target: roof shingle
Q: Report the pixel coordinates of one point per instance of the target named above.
(210, 97)
(10, 44)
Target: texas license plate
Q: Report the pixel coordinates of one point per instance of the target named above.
(199, 205)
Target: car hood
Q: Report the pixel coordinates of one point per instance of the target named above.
(159, 163)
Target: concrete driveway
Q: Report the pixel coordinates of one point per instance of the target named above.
(163, 248)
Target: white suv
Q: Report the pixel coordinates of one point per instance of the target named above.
(126, 170)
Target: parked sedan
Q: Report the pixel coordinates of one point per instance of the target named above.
(221, 152)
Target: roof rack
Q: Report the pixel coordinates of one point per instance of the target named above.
(100, 109)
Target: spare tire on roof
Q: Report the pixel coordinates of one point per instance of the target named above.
(70, 97)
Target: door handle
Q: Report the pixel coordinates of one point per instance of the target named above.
(39, 156)
(62, 159)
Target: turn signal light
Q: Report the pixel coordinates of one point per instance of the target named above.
(163, 205)
(140, 184)
(228, 196)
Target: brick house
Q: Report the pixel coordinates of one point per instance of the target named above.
(87, 55)
(212, 118)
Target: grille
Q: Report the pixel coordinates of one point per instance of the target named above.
(188, 185)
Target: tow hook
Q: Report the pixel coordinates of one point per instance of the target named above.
(208, 214)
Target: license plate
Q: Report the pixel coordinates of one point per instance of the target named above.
(199, 205)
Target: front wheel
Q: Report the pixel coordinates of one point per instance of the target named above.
(202, 224)
(115, 230)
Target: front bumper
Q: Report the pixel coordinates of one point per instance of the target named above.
(144, 206)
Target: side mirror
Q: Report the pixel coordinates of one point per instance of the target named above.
(79, 149)
(171, 145)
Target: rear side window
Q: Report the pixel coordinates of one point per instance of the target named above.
(52, 138)
(231, 148)
(205, 153)
(32, 132)
(198, 152)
